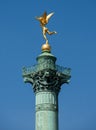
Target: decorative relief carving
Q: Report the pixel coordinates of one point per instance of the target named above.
(46, 64)
(46, 79)
(46, 76)
(46, 107)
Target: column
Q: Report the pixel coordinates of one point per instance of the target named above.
(46, 111)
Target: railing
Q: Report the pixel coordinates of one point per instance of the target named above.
(28, 70)
(63, 70)
(39, 67)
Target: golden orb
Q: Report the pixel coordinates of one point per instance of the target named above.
(46, 47)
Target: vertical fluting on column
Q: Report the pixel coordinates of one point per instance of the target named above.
(46, 111)
(46, 94)
(46, 78)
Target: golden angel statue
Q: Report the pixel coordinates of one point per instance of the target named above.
(44, 19)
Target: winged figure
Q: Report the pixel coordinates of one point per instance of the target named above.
(44, 18)
(43, 21)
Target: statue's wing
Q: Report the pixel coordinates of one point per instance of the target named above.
(44, 15)
(49, 15)
(38, 18)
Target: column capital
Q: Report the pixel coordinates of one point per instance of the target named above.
(46, 75)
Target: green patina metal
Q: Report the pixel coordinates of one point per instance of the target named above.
(46, 66)
(46, 78)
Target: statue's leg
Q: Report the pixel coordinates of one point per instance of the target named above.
(44, 35)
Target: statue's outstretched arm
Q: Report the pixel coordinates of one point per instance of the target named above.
(50, 33)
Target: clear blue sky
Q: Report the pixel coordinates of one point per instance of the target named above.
(74, 46)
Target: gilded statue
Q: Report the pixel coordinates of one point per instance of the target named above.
(44, 19)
